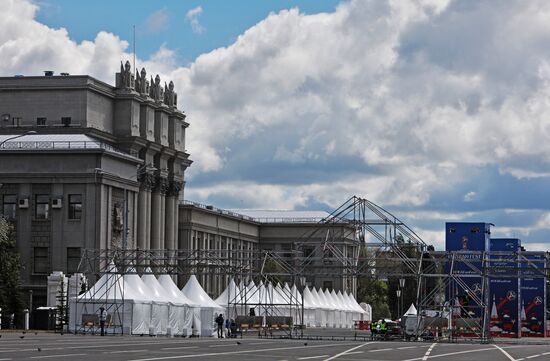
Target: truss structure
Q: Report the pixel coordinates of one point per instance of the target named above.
(358, 239)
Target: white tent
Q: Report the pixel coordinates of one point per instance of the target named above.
(230, 295)
(127, 307)
(196, 294)
(191, 318)
(334, 316)
(176, 309)
(323, 308)
(411, 311)
(231, 299)
(347, 309)
(311, 309)
(340, 312)
(159, 306)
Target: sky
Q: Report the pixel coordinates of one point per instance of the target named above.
(437, 110)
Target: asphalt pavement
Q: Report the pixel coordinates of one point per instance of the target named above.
(49, 346)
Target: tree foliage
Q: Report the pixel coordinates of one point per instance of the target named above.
(374, 292)
(11, 299)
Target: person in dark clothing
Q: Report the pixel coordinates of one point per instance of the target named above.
(102, 319)
(219, 322)
(252, 311)
(227, 328)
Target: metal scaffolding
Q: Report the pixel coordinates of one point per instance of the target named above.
(358, 239)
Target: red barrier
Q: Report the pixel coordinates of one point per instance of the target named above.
(361, 325)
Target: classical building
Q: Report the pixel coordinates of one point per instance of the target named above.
(88, 165)
(85, 165)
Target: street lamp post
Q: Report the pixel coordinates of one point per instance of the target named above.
(303, 284)
(17, 136)
(401, 287)
(398, 293)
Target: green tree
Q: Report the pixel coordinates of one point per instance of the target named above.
(374, 292)
(11, 299)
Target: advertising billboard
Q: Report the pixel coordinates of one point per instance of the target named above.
(533, 295)
(504, 288)
(467, 239)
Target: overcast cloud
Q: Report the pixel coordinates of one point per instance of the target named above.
(425, 107)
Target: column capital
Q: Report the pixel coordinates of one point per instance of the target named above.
(174, 188)
(162, 185)
(148, 181)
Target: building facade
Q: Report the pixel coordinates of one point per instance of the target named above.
(88, 165)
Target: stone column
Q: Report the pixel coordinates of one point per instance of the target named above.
(144, 205)
(157, 214)
(169, 224)
(171, 215)
(155, 220)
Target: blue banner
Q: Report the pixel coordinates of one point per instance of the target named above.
(533, 295)
(467, 239)
(504, 288)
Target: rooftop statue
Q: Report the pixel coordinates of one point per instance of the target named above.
(125, 79)
(142, 84)
(155, 91)
(170, 96)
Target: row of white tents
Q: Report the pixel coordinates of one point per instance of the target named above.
(156, 306)
(320, 308)
(147, 305)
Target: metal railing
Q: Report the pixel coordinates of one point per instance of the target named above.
(62, 145)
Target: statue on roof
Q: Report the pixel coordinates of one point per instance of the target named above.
(155, 91)
(125, 79)
(170, 96)
(142, 84)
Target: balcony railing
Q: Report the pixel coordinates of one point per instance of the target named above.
(62, 145)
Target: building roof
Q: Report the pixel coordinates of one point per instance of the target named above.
(282, 216)
(39, 142)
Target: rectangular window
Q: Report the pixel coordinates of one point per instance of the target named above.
(41, 260)
(9, 202)
(66, 121)
(41, 121)
(73, 259)
(75, 206)
(42, 206)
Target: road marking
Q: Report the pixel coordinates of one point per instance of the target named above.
(311, 357)
(178, 348)
(239, 352)
(381, 349)
(221, 345)
(68, 355)
(346, 352)
(427, 354)
(404, 348)
(354, 352)
(505, 353)
(126, 351)
(452, 353)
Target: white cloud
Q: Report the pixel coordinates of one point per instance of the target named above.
(157, 21)
(395, 101)
(193, 17)
(470, 196)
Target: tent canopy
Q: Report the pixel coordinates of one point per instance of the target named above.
(194, 291)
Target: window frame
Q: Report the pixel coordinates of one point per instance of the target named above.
(74, 214)
(71, 258)
(13, 203)
(37, 203)
(37, 256)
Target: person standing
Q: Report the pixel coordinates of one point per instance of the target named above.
(219, 322)
(102, 319)
(228, 328)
